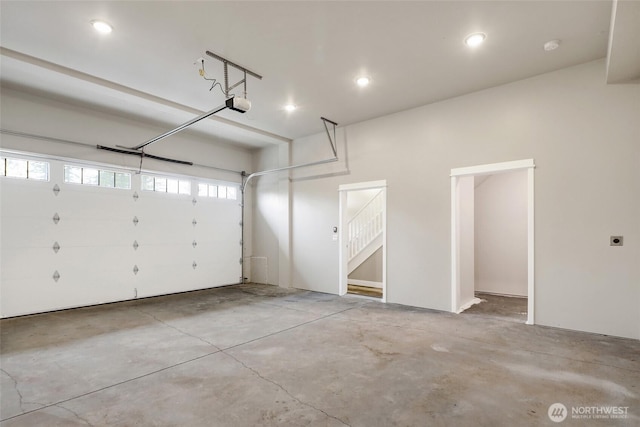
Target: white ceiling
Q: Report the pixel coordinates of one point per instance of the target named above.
(309, 53)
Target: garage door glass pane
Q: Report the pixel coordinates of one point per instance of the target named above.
(39, 170)
(172, 186)
(107, 179)
(123, 180)
(73, 174)
(90, 176)
(147, 182)
(232, 193)
(17, 168)
(161, 185)
(222, 192)
(185, 187)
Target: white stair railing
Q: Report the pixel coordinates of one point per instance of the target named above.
(365, 225)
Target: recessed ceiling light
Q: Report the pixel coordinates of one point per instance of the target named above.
(363, 81)
(101, 26)
(475, 39)
(551, 45)
(290, 107)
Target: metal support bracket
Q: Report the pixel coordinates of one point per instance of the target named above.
(331, 141)
(226, 63)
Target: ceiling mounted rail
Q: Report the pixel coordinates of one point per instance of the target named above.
(138, 150)
(241, 105)
(230, 103)
(179, 128)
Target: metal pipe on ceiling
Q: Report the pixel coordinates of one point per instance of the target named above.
(320, 162)
(270, 171)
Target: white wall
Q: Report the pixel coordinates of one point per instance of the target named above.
(501, 234)
(271, 222)
(357, 199)
(96, 230)
(583, 136)
(370, 270)
(466, 238)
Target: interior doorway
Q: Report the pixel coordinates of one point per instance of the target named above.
(492, 239)
(362, 239)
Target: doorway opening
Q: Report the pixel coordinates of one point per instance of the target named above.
(492, 240)
(362, 236)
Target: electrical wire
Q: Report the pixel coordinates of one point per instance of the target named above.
(214, 83)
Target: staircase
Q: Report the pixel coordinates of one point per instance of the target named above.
(365, 232)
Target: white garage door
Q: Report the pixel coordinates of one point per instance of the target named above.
(74, 234)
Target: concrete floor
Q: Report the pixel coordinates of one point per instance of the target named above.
(256, 355)
(507, 308)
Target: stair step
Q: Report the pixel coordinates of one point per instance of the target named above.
(365, 291)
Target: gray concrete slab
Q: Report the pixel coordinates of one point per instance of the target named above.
(67, 354)
(505, 307)
(255, 355)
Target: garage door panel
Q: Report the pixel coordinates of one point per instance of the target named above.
(164, 238)
(18, 263)
(94, 202)
(96, 260)
(27, 232)
(165, 205)
(26, 296)
(90, 232)
(218, 273)
(171, 276)
(168, 230)
(23, 197)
